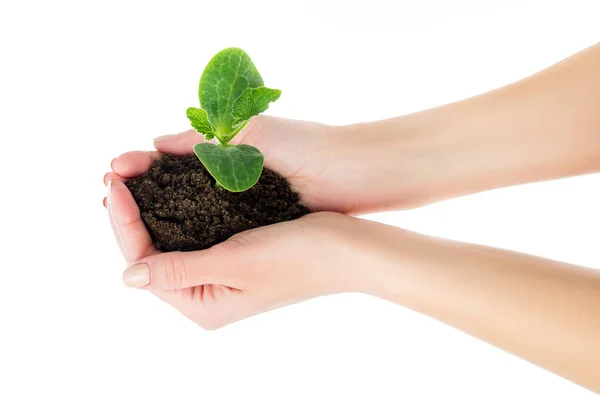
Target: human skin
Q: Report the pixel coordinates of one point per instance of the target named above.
(544, 127)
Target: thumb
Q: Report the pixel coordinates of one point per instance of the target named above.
(180, 270)
(178, 144)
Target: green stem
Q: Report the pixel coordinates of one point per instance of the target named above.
(224, 138)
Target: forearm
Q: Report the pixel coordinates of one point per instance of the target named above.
(543, 311)
(544, 127)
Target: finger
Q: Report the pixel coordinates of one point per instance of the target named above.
(183, 143)
(134, 164)
(135, 240)
(112, 225)
(178, 144)
(180, 270)
(112, 176)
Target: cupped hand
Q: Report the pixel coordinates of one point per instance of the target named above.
(333, 168)
(254, 271)
(299, 151)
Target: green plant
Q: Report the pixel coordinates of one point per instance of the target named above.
(231, 92)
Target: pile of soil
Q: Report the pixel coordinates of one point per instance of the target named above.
(183, 210)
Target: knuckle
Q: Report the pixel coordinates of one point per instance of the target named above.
(239, 253)
(175, 272)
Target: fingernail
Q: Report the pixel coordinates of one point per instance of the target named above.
(137, 275)
(163, 138)
(104, 202)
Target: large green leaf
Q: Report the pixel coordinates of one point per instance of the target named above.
(224, 79)
(235, 167)
(252, 102)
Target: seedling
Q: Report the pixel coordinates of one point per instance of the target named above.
(231, 93)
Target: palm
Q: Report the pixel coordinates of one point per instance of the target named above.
(295, 149)
(197, 301)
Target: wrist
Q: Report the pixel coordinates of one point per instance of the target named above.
(445, 152)
(373, 257)
(382, 165)
(403, 267)
(408, 161)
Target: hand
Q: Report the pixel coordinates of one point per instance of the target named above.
(332, 168)
(252, 272)
(297, 150)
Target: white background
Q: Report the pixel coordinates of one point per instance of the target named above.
(83, 81)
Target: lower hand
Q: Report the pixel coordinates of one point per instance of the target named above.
(252, 272)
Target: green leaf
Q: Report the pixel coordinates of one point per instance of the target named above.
(199, 119)
(252, 102)
(224, 79)
(235, 167)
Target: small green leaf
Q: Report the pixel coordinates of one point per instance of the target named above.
(236, 168)
(199, 119)
(252, 102)
(224, 79)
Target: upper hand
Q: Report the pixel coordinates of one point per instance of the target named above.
(332, 168)
(299, 151)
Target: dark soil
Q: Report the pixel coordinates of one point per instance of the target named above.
(184, 211)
